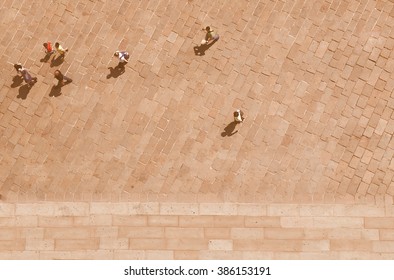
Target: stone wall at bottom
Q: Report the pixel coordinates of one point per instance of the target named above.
(100, 230)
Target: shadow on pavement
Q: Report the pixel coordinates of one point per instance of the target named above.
(24, 91)
(46, 57)
(57, 61)
(229, 129)
(17, 81)
(115, 71)
(55, 91)
(200, 50)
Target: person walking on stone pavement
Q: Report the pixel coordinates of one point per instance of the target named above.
(210, 37)
(238, 116)
(62, 80)
(18, 67)
(29, 80)
(62, 51)
(123, 58)
(48, 48)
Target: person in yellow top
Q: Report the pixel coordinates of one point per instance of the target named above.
(211, 36)
(62, 51)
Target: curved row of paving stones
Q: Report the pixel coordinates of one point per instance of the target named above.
(314, 77)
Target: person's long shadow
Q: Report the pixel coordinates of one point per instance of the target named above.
(57, 61)
(16, 81)
(115, 71)
(229, 129)
(46, 57)
(55, 91)
(24, 91)
(200, 50)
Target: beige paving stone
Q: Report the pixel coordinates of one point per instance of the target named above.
(110, 243)
(141, 232)
(359, 210)
(129, 220)
(220, 245)
(262, 221)
(7, 210)
(68, 233)
(19, 255)
(382, 246)
(8, 233)
(222, 255)
(283, 209)
(147, 244)
(92, 220)
(164, 221)
(212, 233)
(172, 233)
(76, 244)
(45, 221)
(350, 245)
(251, 209)
(179, 209)
(320, 222)
(196, 221)
(186, 255)
(380, 223)
(280, 233)
(77, 255)
(218, 209)
(159, 255)
(40, 245)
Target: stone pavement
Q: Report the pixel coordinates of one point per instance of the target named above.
(315, 79)
(128, 230)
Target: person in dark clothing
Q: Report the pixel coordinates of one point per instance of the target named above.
(28, 78)
(62, 80)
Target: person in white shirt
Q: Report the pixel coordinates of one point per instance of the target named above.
(238, 116)
(123, 57)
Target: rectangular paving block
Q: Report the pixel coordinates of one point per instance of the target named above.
(69, 233)
(141, 232)
(12, 245)
(218, 209)
(77, 244)
(262, 221)
(217, 233)
(163, 220)
(147, 244)
(40, 244)
(379, 223)
(197, 221)
(131, 220)
(177, 232)
(383, 246)
(284, 233)
(7, 209)
(45, 221)
(111, 243)
(350, 245)
(359, 211)
(187, 244)
(322, 222)
(92, 220)
(179, 209)
(220, 245)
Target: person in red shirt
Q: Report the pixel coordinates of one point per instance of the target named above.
(48, 48)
